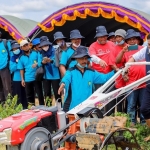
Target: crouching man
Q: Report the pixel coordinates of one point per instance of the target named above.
(80, 79)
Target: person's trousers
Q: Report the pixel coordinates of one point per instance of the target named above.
(47, 84)
(6, 81)
(39, 91)
(145, 105)
(19, 90)
(132, 99)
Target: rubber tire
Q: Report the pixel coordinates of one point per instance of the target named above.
(39, 132)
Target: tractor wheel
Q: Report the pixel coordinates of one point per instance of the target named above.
(34, 137)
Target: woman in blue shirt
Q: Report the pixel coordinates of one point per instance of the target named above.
(51, 76)
(18, 89)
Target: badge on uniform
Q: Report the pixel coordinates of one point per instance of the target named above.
(89, 83)
(3, 51)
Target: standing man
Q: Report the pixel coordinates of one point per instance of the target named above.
(120, 35)
(17, 88)
(5, 75)
(39, 86)
(144, 54)
(134, 73)
(59, 39)
(66, 62)
(80, 79)
(28, 63)
(100, 53)
(51, 74)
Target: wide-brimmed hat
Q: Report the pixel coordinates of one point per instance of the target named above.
(130, 34)
(75, 34)
(101, 31)
(14, 44)
(58, 35)
(138, 35)
(111, 34)
(81, 51)
(44, 41)
(36, 41)
(121, 33)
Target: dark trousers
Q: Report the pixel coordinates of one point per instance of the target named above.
(5, 81)
(145, 104)
(19, 90)
(30, 91)
(47, 84)
(39, 91)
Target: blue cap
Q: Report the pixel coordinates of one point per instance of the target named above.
(130, 34)
(14, 44)
(101, 31)
(58, 35)
(44, 41)
(80, 52)
(111, 34)
(36, 41)
(75, 34)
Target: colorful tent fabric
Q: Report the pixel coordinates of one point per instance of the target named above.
(104, 10)
(16, 27)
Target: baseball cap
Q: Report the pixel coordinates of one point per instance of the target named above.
(23, 42)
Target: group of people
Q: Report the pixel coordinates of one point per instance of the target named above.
(78, 69)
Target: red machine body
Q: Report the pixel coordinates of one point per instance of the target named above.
(21, 124)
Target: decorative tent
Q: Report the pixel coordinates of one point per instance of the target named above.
(87, 15)
(16, 28)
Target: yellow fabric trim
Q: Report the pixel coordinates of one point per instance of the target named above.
(87, 12)
(96, 5)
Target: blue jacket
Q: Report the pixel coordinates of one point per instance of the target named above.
(25, 63)
(13, 67)
(66, 56)
(81, 83)
(51, 71)
(4, 54)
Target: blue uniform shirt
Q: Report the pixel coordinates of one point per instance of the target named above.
(81, 83)
(66, 56)
(25, 63)
(51, 71)
(13, 67)
(4, 54)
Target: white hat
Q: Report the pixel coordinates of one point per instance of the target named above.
(23, 42)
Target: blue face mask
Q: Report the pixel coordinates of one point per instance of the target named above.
(16, 52)
(81, 66)
(122, 42)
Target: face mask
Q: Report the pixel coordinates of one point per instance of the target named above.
(45, 48)
(61, 43)
(81, 66)
(16, 52)
(75, 45)
(122, 42)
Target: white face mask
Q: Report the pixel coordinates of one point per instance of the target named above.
(62, 43)
(75, 45)
(45, 48)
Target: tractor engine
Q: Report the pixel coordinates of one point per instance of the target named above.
(27, 129)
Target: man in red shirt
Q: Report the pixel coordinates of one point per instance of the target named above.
(100, 51)
(120, 35)
(134, 73)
